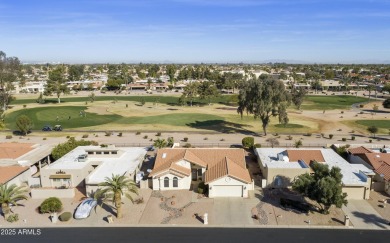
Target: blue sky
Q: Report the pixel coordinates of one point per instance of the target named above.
(86, 31)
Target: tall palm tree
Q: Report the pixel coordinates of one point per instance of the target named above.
(10, 195)
(113, 190)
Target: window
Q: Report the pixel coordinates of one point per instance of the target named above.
(106, 152)
(114, 152)
(166, 182)
(90, 152)
(56, 180)
(98, 152)
(175, 182)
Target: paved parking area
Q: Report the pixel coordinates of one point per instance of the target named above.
(364, 216)
(233, 211)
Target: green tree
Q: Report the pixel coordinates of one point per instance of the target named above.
(64, 148)
(263, 98)
(386, 87)
(24, 123)
(372, 129)
(113, 190)
(10, 69)
(56, 83)
(10, 195)
(191, 91)
(170, 142)
(75, 72)
(207, 90)
(324, 186)
(160, 143)
(51, 205)
(386, 103)
(171, 71)
(297, 95)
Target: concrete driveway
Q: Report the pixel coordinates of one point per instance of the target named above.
(233, 211)
(364, 216)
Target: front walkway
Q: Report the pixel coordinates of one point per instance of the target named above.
(364, 216)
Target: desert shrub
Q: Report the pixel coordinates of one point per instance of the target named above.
(85, 136)
(13, 218)
(158, 134)
(248, 142)
(222, 139)
(108, 133)
(206, 138)
(257, 145)
(120, 134)
(185, 139)
(68, 137)
(202, 188)
(187, 145)
(342, 112)
(103, 145)
(344, 139)
(66, 216)
(137, 133)
(361, 105)
(370, 141)
(24, 106)
(50, 205)
(308, 134)
(298, 143)
(44, 138)
(353, 137)
(8, 137)
(330, 136)
(146, 137)
(289, 137)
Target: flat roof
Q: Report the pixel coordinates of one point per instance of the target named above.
(126, 160)
(351, 175)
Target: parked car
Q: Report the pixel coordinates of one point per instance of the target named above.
(84, 209)
(295, 205)
(57, 128)
(47, 128)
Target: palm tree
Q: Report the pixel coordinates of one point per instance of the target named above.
(10, 195)
(114, 188)
(160, 143)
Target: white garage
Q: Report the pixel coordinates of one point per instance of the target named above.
(227, 191)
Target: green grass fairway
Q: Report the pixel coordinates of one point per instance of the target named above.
(385, 124)
(289, 126)
(330, 102)
(48, 116)
(176, 119)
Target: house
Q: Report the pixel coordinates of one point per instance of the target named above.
(87, 166)
(375, 160)
(222, 170)
(280, 166)
(22, 162)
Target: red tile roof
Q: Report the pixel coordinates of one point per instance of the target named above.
(14, 150)
(360, 150)
(305, 155)
(7, 173)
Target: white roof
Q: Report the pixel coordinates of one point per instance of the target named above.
(125, 161)
(351, 175)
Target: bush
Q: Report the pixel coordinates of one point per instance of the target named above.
(248, 142)
(64, 148)
(44, 138)
(8, 137)
(51, 205)
(137, 133)
(158, 134)
(222, 140)
(187, 145)
(330, 136)
(103, 145)
(298, 143)
(146, 137)
(202, 188)
(257, 145)
(85, 136)
(66, 216)
(24, 106)
(289, 137)
(107, 133)
(353, 137)
(370, 141)
(13, 218)
(206, 138)
(342, 112)
(344, 139)
(185, 139)
(120, 134)
(308, 134)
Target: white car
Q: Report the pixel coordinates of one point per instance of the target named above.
(84, 209)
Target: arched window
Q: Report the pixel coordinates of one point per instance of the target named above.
(166, 182)
(175, 182)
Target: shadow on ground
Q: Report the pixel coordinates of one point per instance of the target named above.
(371, 219)
(220, 126)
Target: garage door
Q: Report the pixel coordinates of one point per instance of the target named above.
(227, 191)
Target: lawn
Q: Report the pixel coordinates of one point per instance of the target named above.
(332, 102)
(68, 117)
(385, 124)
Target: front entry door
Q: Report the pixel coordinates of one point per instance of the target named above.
(194, 173)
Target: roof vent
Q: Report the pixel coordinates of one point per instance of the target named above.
(378, 156)
(164, 155)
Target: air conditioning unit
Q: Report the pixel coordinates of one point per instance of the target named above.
(83, 157)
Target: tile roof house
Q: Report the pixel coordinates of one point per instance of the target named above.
(22, 162)
(378, 162)
(280, 166)
(223, 170)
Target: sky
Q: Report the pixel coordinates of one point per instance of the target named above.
(195, 31)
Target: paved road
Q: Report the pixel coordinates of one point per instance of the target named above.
(172, 235)
(233, 211)
(364, 216)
